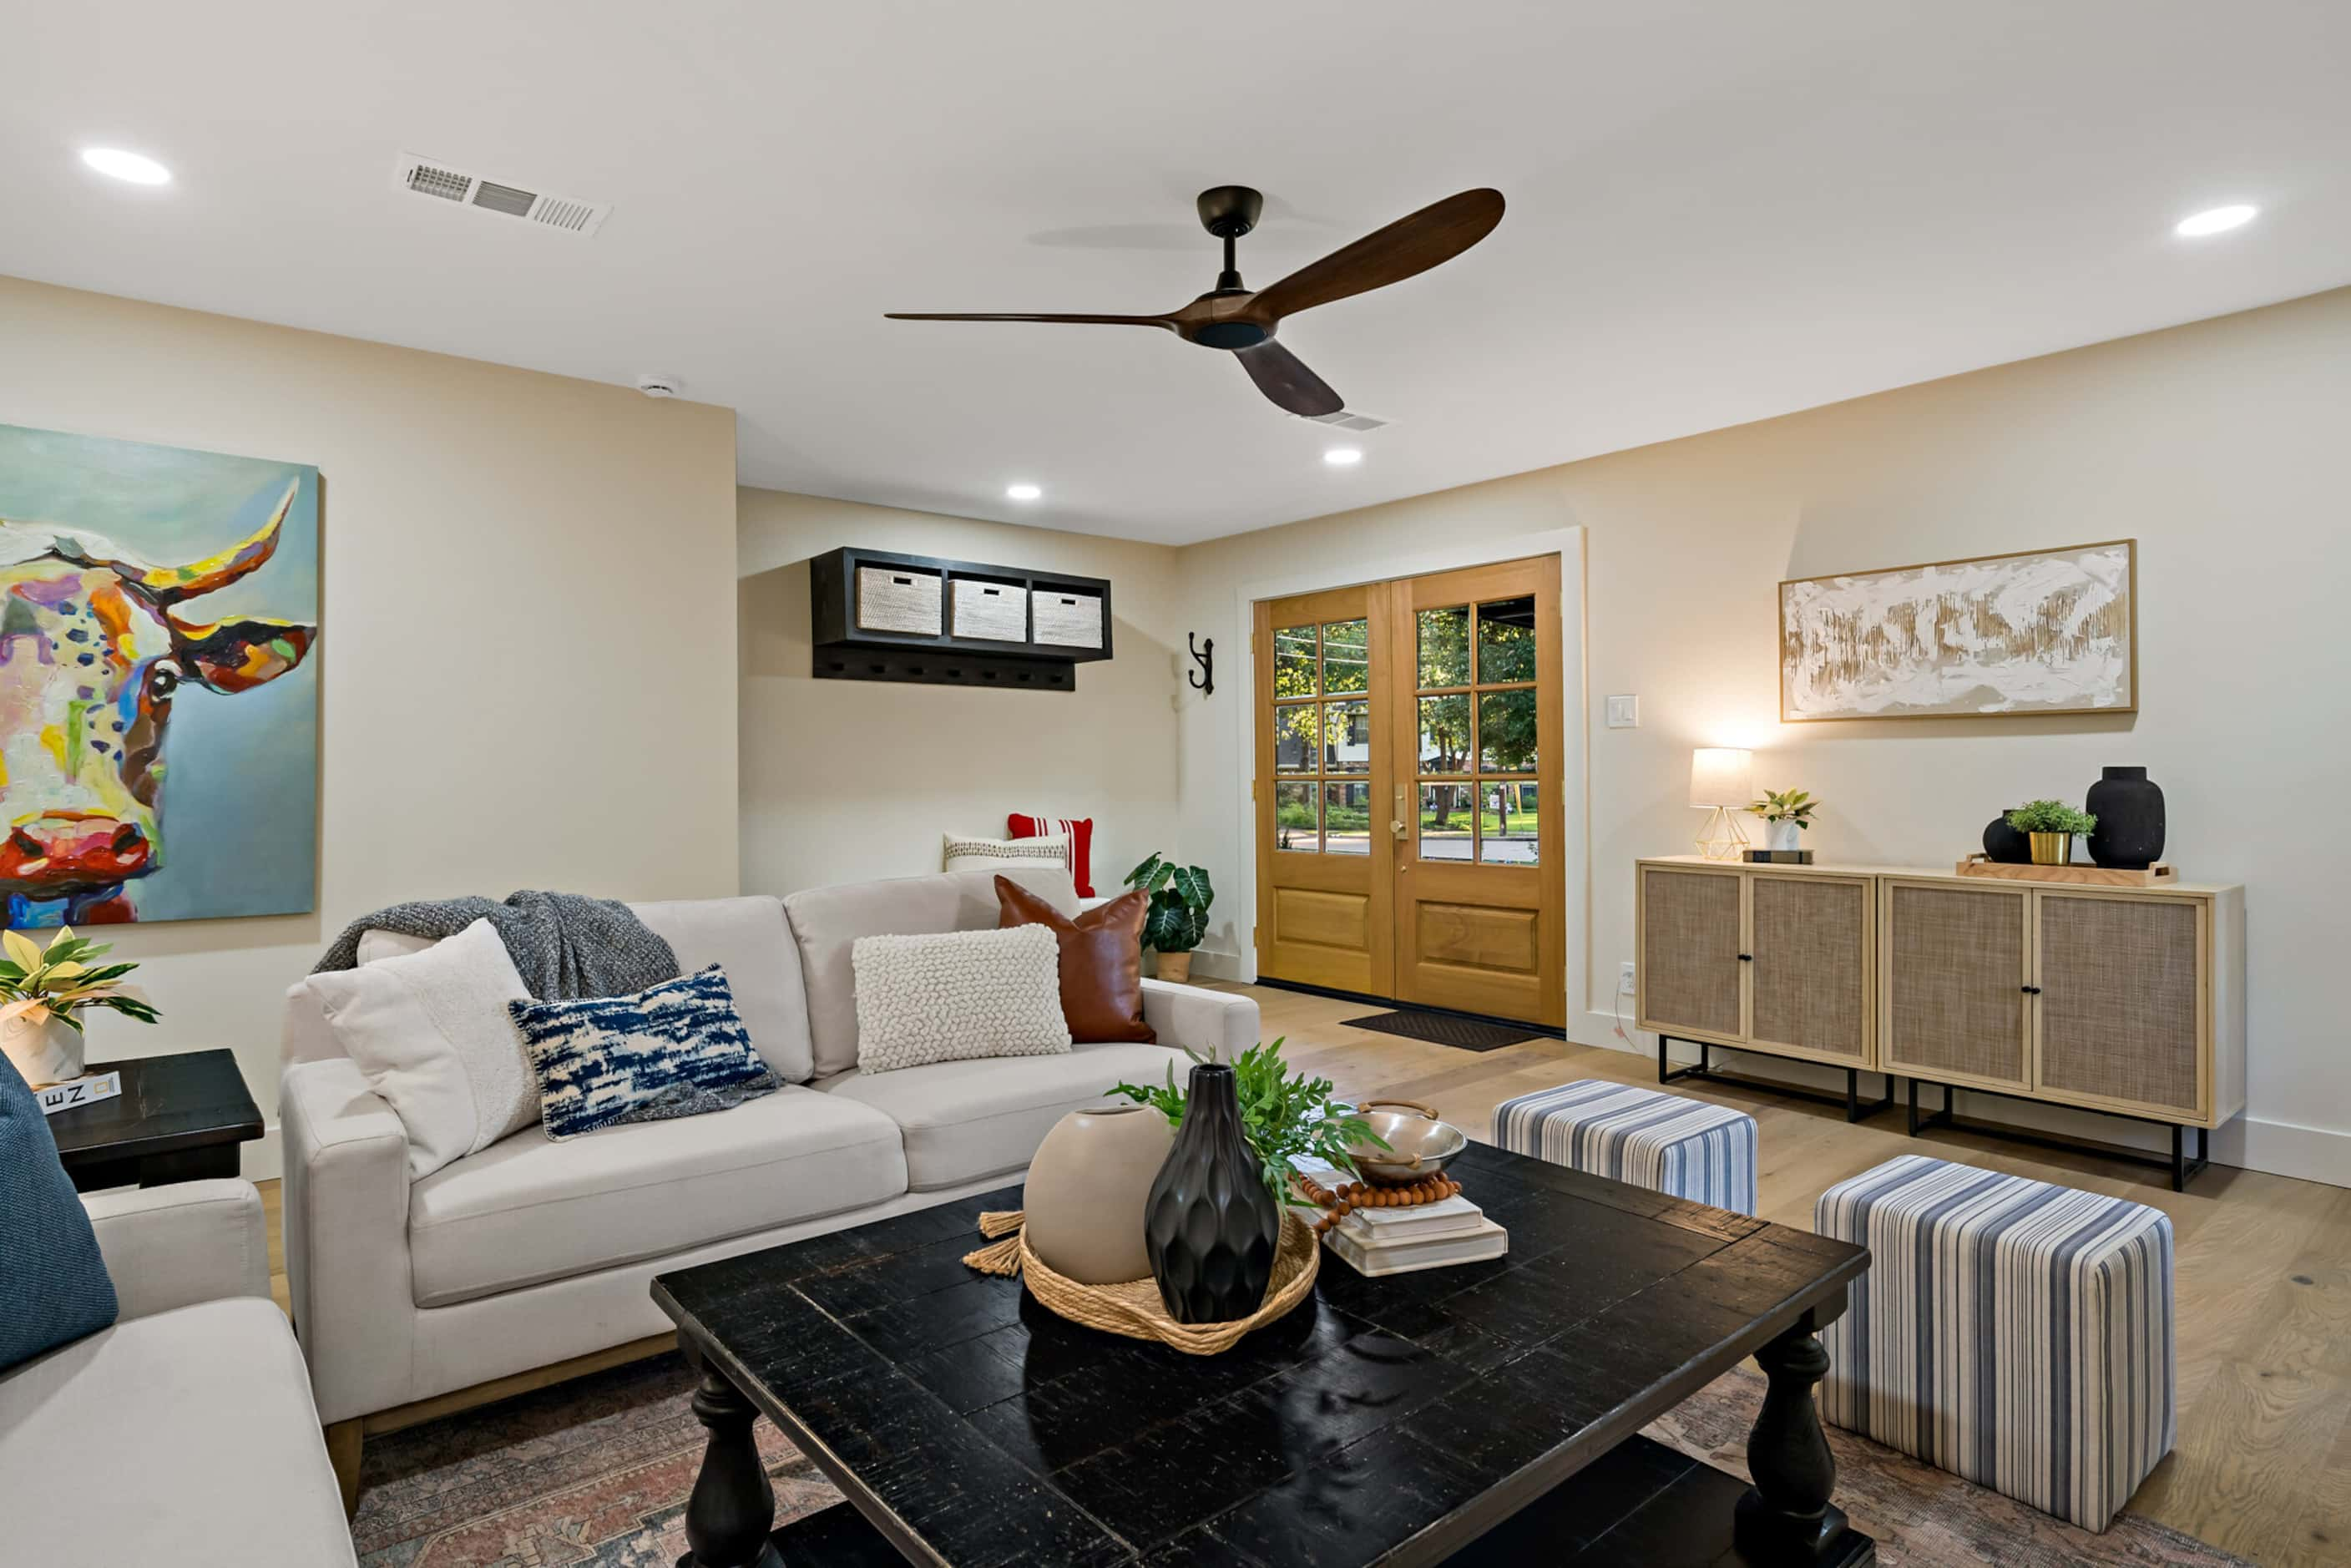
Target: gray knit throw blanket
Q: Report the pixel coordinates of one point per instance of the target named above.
(565, 946)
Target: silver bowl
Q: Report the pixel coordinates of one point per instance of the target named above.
(1419, 1144)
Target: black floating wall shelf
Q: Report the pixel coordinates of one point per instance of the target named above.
(878, 616)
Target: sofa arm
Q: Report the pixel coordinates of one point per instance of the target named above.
(346, 1264)
(170, 1246)
(1216, 1024)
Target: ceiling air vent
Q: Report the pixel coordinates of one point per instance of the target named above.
(1348, 419)
(428, 177)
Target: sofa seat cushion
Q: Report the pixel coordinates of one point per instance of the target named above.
(531, 1209)
(187, 1437)
(965, 1120)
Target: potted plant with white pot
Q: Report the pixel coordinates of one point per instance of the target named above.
(1786, 813)
(46, 993)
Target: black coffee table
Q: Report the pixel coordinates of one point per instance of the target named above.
(179, 1118)
(1485, 1413)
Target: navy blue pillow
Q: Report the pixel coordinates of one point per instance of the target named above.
(678, 1049)
(53, 1284)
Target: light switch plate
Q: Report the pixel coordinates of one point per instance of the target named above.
(1624, 713)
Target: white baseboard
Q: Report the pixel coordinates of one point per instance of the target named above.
(264, 1159)
(1217, 964)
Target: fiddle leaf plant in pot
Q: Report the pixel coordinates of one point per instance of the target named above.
(45, 993)
(1178, 917)
(1786, 813)
(2052, 826)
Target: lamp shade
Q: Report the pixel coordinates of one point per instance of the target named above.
(1721, 776)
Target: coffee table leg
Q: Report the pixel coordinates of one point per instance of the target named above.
(733, 1508)
(1786, 1515)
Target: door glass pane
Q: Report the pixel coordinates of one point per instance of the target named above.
(1445, 811)
(1347, 657)
(1506, 640)
(1293, 817)
(1347, 738)
(1293, 662)
(1297, 732)
(1506, 822)
(1506, 731)
(1445, 647)
(1445, 734)
(1347, 819)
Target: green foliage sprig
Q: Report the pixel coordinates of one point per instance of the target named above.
(62, 982)
(1795, 806)
(2051, 817)
(1180, 897)
(1284, 1114)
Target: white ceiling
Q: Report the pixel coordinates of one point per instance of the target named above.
(1718, 212)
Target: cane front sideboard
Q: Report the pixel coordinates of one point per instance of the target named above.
(2124, 1000)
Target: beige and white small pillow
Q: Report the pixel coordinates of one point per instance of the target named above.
(960, 852)
(957, 996)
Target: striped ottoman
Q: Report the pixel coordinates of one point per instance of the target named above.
(1663, 1142)
(2008, 1331)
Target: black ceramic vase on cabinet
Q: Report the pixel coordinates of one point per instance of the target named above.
(1209, 1225)
(2005, 844)
(2129, 808)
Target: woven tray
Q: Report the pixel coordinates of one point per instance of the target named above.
(1134, 1308)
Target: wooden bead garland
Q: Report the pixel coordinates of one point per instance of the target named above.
(1338, 1202)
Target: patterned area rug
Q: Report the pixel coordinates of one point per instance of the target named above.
(595, 1473)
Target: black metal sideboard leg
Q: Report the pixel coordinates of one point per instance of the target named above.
(733, 1508)
(1786, 1516)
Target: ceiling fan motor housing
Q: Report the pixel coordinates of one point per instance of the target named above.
(1229, 211)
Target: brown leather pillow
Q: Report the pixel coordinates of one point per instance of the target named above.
(1102, 960)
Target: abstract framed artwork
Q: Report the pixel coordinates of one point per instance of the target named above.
(2049, 632)
(157, 607)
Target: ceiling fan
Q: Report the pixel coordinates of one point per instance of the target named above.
(1244, 320)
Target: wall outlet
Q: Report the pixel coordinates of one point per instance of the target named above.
(1625, 985)
(1624, 713)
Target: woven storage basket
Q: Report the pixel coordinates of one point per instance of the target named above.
(1134, 1308)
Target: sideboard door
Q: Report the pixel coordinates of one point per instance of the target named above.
(2124, 1004)
(1689, 968)
(1810, 940)
(1956, 965)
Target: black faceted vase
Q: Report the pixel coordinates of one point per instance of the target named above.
(2129, 808)
(2005, 844)
(1209, 1225)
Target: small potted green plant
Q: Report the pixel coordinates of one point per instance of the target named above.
(1284, 1112)
(45, 994)
(1178, 919)
(2051, 825)
(1786, 813)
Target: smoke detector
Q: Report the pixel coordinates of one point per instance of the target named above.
(660, 386)
(443, 182)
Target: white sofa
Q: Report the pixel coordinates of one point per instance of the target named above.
(532, 1253)
(185, 1433)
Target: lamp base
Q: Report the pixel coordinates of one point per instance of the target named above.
(1722, 838)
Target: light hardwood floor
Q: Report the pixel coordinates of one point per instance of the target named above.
(2263, 1288)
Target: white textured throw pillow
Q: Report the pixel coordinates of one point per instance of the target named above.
(957, 995)
(430, 1033)
(958, 852)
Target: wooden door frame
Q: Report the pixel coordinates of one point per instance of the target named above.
(1575, 775)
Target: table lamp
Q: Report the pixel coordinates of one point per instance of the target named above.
(1723, 778)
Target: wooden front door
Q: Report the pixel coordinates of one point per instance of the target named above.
(1409, 813)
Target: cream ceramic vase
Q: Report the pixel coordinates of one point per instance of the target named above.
(45, 1051)
(1087, 1188)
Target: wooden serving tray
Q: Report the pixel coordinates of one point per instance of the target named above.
(2156, 876)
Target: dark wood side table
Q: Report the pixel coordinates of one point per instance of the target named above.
(179, 1118)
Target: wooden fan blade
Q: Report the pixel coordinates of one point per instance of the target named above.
(1410, 245)
(1080, 321)
(1283, 377)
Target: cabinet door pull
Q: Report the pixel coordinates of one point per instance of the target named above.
(1747, 957)
(2033, 990)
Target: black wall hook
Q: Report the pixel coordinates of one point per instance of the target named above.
(1205, 655)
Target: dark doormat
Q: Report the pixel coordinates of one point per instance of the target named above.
(1443, 1028)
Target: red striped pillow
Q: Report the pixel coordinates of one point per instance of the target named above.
(1079, 831)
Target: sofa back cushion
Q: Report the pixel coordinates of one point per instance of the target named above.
(826, 923)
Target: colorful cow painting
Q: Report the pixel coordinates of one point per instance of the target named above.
(100, 642)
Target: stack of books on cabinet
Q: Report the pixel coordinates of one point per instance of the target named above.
(1432, 1235)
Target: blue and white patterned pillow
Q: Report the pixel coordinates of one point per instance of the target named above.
(678, 1049)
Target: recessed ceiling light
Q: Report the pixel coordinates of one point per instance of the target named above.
(2217, 221)
(1343, 456)
(127, 166)
(1023, 492)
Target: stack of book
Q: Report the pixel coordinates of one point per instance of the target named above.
(1428, 1235)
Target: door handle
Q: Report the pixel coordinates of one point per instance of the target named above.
(1396, 827)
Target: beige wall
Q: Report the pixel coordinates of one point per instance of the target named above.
(849, 779)
(2219, 447)
(527, 660)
